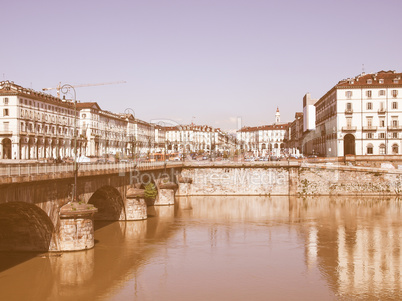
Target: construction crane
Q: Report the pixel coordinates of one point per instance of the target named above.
(58, 88)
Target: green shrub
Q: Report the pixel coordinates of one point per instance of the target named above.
(150, 191)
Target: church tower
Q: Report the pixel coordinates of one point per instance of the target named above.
(277, 116)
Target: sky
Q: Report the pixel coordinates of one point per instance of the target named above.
(207, 62)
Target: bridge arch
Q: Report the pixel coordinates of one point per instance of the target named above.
(109, 203)
(24, 227)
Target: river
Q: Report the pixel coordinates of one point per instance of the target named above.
(227, 248)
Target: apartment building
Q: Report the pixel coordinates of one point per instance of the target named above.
(34, 125)
(360, 115)
(264, 140)
(195, 138)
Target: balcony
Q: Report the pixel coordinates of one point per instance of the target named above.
(369, 128)
(394, 128)
(349, 128)
(348, 111)
(381, 111)
(6, 133)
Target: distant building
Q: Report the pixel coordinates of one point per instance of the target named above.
(295, 134)
(264, 140)
(360, 115)
(196, 138)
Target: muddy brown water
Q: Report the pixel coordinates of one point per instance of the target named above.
(227, 248)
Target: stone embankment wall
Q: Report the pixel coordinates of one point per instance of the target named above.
(292, 180)
(237, 181)
(348, 181)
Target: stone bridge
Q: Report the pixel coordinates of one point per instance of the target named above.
(33, 197)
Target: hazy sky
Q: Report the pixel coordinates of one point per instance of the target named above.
(212, 60)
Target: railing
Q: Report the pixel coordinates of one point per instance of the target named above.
(46, 168)
(394, 128)
(369, 128)
(349, 128)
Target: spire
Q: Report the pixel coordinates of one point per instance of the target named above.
(277, 116)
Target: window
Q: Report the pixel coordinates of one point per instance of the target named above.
(369, 149)
(382, 149)
(396, 81)
(369, 135)
(369, 81)
(6, 100)
(381, 81)
(349, 106)
(381, 106)
(395, 123)
(368, 93)
(369, 106)
(6, 126)
(381, 135)
(394, 93)
(394, 105)
(395, 135)
(349, 122)
(381, 92)
(382, 122)
(348, 94)
(5, 112)
(369, 122)
(395, 149)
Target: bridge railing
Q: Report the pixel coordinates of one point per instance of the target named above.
(10, 170)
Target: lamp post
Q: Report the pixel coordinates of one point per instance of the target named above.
(65, 89)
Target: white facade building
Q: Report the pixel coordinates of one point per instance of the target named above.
(264, 140)
(195, 138)
(34, 125)
(360, 115)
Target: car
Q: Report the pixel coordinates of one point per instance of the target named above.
(274, 158)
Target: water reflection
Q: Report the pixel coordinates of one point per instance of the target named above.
(321, 248)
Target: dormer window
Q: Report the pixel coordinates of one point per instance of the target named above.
(369, 81)
(381, 81)
(396, 81)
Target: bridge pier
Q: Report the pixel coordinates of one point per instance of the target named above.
(136, 208)
(76, 228)
(166, 193)
(184, 185)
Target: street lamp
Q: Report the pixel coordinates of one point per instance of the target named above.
(131, 136)
(65, 89)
